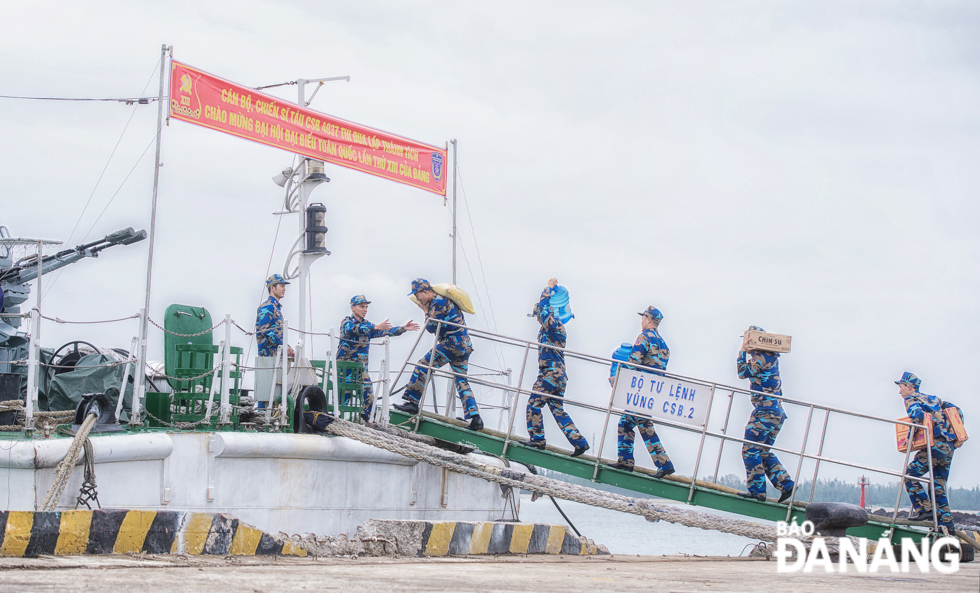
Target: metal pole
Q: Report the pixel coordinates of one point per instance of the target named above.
(704, 432)
(799, 465)
(724, 430)
(385, 377)
(276, 365)
(215, 384)
(303, 262)
(901, 483)
(139, 373)
(125, 381)
(450, 397)
(33, 365)
(141, 384)
(455, 151)
(332, 374)
(37, 329)
(517, 399)
(816, 467)
(304, 194)
(932, 480)
(428, 374)
(226, 374)
(284, 392)
(409, 357)
(31, 370)
(605, 425)
(504, 402)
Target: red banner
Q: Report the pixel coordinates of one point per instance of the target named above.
(206, 100)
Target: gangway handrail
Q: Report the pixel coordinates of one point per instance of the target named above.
(666, 422)
(705, 382)
(519, 390)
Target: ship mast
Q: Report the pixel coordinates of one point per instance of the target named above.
(144, 314)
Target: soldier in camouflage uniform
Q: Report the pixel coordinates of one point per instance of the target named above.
(649, 350)
(551, 378)
(919, 406)
(268, 321)
(762, 371)
(453, 346)
(356, 333)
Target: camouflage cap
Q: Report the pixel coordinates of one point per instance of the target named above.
(909, 379)
(420, 284)
(275, 279)
(359, 299)
(653, 313)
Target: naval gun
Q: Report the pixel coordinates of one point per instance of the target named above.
(27, 269)
(14, 276)
(15, 290)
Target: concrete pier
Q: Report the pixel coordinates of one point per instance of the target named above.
(542, 574)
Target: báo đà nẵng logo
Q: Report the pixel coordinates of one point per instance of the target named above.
(182, 103)
(792, 555)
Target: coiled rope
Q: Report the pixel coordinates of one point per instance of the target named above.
(67, 465)
(644, 507)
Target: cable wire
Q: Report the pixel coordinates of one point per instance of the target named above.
(51, 284)
(501, 359)
(127, 101)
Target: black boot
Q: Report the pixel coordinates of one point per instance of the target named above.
(535, 444)
(622, 466)
(786, 494)
(476, 423)
(759, 497)
(580, 450)
(922, 516)
(407, 407)
(663, 473)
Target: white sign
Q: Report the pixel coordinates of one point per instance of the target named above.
(655, 396)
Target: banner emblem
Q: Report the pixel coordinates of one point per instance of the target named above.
(181, 104)
(437, 166)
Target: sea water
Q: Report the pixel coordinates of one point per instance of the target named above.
(624, 534)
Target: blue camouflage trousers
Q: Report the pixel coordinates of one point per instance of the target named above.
(760, 462)
(551, 380)
(657, 452)
(942, 456)
(458, 359)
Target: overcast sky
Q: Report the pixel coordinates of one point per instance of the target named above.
(803, 167)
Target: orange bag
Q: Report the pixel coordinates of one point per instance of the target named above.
(918, 438)
(953, 416)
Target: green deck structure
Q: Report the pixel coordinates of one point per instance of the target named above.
(641, 481)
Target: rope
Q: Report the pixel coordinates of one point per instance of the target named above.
(201, 376)
(11, 404)
(293, 329)
(177, 425)
(245, 331)
(167, 331)
(59, 320)
(58, 366)
(94, 366)
(42, 420)
(646, 508)
(67, 465)
(127, 101)
(87, 493)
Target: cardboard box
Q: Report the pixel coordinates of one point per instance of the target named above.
(957, 423)
(918, 438)
(756, 340)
